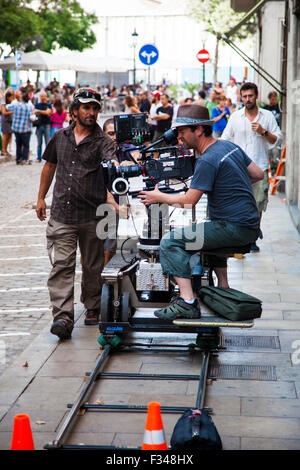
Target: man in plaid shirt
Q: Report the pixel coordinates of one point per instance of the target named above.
(21, 126)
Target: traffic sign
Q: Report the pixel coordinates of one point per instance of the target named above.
(18, 58)
(148, 54)
(203, 56)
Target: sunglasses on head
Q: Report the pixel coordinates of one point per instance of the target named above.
(89, 94)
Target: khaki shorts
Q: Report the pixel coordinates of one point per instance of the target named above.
(261, 192)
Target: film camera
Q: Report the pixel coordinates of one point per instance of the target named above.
(155, 164)
(141, 281)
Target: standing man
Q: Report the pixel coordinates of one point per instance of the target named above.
(163, 117)
(256, 131)
(233, 92)
(74, 154)
(21, 126)
(43, 111)
(224, 172)
(144, 103)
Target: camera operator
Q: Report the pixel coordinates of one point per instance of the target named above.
(225, 173)
(74, 155)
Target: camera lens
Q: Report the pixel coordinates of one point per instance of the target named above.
(120, 186)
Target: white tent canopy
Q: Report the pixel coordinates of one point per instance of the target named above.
(77, 61)
(36, 60)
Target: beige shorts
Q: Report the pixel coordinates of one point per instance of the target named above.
(261, 192)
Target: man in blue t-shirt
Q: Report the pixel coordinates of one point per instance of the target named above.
(225, 173)
(43, 111)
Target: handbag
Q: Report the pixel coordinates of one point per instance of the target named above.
(195, 430)
(231, 303)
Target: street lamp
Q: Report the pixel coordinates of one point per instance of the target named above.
(134, 37)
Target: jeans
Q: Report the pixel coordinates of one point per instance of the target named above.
(53, 130)
(177, 246)
(40, 132)
(22, 144)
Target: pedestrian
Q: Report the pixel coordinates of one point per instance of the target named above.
(43, 111)
(130, 106)
(212, 102)
(233, 92)
(223, 172)
(273, 106)
(21, 126)
(220, 114)
(6, 122)
(155, 104)
(163, 117)
(144, 103)
(74, 154)
(256, 131)
(201, 98)
(57, 118)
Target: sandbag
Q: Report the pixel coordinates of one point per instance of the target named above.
(195, 430)
(231, 303)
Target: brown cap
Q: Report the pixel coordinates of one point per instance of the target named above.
(192, 115)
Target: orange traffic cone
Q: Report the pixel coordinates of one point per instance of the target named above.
(22, 436)
(270, 174)
(154, 437)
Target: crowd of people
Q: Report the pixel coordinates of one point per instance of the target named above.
(47, 110)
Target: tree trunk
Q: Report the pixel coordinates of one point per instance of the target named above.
(216, 60)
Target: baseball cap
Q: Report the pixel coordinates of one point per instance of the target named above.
(87, 95)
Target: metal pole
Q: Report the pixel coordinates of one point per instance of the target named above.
(202, 381)
(203, 75)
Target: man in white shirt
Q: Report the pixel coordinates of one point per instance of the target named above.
(233, 92)
(256, 131)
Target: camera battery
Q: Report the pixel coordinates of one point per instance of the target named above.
(150, 277)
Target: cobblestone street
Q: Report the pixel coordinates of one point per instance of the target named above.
(24, 263)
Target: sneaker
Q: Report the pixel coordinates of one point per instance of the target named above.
(92, 316)
(254, 248)
(60, 329)
(178, 308)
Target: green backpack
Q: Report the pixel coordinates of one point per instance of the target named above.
(231, 303)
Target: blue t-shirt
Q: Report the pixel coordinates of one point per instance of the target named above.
(44, 120)
(221, 124)
(221, 172)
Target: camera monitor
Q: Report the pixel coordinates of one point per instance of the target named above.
(132, 128)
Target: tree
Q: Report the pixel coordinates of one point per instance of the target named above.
(218, 17)
(50, 24)
(18, 24)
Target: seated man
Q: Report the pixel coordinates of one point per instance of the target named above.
(225, 173)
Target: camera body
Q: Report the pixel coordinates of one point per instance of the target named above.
(155, 164)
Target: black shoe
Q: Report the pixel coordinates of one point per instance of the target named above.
(60, 329)
(254, 248)
(92, 316)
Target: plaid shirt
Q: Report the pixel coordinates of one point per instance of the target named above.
(21, 116)
(79, 188)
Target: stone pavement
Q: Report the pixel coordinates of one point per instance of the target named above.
(249, 414)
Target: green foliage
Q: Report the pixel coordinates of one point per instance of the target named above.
(48, 25)
(218, 17)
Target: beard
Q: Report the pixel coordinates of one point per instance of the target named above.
(86, 122)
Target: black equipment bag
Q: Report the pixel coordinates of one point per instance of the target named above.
(195, 430)
(231, 303)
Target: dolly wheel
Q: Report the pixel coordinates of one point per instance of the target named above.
(125, 307)
(106, 310)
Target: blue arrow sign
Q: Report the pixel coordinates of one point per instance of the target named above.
(148, 54)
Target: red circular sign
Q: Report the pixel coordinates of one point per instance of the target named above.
(203, 56)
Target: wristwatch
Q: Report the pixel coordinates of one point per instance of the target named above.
(265, 133)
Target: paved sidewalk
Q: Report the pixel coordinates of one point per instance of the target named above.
(249, 414)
